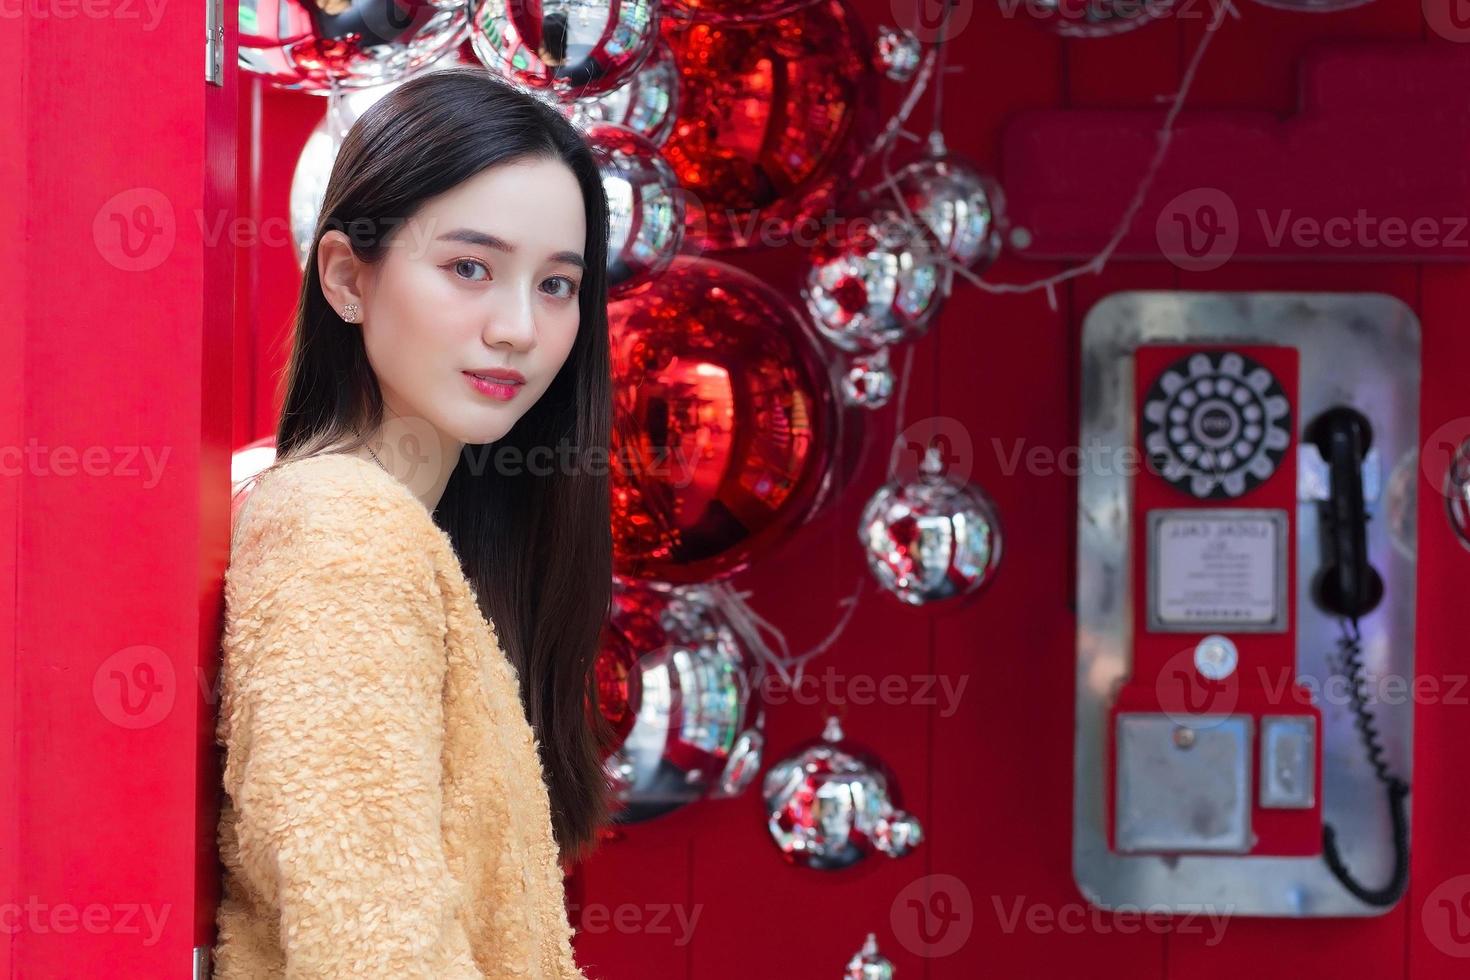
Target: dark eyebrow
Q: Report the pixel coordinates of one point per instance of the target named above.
(473, 237)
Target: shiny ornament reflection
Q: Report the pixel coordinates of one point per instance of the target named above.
(962, 208)
(772, 118)
(646, 104)
(869, 964)
(1457, 491)
(645, 206)
(724, 415)
(831, 804)
(868, 381)
(877, 284)
(930, 540)
(898, 53)
(572, 48)
(319, 153)
(674, 678)
(313, 47)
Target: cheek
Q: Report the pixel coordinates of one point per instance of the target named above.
(565, 335)
(417, 310)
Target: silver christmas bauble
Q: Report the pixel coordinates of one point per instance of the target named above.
(868, 380)
(571, 49)
(647, 104)
(898, 53)
(1458, 492)
(692, 734)
(645, 206)
(961, 207)
(932, 539)
(831, 804)
(876, 284)
(869, 964)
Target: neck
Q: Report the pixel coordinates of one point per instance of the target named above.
(424, 467)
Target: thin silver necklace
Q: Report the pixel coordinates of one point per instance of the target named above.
(376, 459)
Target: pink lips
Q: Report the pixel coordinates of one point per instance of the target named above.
(501, 384)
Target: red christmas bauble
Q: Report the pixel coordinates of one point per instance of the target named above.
(773, 115)
(724, 418)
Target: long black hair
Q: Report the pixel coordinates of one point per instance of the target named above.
(537, 548)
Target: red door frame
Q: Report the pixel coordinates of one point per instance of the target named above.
(116, 264)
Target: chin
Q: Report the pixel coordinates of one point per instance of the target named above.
(480, 432)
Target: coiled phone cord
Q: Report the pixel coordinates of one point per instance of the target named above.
(1351, 650)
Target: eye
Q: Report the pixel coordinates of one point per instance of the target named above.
(473, 264)
(571, 287)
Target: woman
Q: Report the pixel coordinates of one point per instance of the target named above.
(417, 584)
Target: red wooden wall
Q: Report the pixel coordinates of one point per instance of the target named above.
(115, 326)
(703, 893)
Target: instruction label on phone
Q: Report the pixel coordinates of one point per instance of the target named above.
(1218, 569)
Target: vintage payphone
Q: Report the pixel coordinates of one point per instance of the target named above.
(1229, 566)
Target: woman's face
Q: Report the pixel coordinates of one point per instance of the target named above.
(484, 278)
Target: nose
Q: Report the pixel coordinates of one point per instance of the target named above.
(511, 325)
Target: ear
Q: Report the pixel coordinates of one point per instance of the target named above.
(340, 272)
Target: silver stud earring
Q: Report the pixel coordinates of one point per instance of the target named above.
(350, 312)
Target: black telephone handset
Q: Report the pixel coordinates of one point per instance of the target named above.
(1346, 584)
(1349, 587)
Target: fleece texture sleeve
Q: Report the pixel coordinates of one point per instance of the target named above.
(337, 722)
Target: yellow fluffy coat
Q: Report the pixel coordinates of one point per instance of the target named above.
(386, 814)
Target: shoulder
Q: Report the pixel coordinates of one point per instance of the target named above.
(330, 504)
(330, 556)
